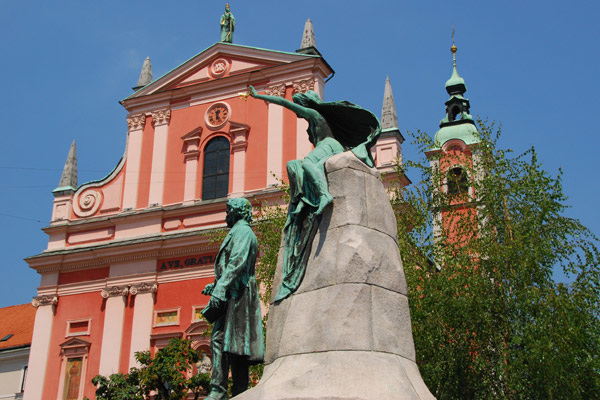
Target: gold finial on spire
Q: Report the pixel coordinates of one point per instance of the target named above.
(453, 48)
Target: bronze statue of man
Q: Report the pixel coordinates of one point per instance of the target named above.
(234, 307)
(227, 25)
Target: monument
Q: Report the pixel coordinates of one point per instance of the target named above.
(339, 324)
(234, 308)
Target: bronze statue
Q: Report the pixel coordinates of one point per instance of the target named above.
(234, 307)
(333, 127)
(227, 25)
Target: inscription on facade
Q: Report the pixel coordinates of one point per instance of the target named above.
(185, 262)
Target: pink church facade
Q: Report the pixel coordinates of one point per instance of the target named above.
(129, 254)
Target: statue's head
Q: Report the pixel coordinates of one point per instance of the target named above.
(238, 208)
(307, 99)
(227, 7)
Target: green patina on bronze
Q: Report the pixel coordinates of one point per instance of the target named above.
(333, 127)
(227, 26)
(237, 336)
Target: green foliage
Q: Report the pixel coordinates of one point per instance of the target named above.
(489, 321)
(119, 386)
(199, 384)
(165, 374)
(269, 227)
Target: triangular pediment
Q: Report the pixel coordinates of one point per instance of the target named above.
(219, 61)
(75, 342)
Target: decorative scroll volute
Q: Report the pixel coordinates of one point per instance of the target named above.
(87, 202)
(114, 291)
(144, 287)
(45, 300)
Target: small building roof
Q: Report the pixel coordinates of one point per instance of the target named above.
(18, 322)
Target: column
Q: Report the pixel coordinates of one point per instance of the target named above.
(135, 124)
(160, 119)
(40, 346)
(275, 137)
(141, 328)
(112, 334)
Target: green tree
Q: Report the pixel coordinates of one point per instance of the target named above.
(165, 374)
(489, 320)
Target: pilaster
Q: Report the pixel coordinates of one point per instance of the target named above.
(142, 318)
(40, 345)
(135, 125)
(160, 120)
(112, 334)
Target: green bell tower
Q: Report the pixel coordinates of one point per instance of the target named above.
(458, 123)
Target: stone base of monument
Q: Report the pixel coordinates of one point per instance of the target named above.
(346, 332)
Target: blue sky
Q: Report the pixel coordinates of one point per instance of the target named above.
(65, 65)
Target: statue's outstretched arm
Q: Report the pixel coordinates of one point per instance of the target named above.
(301, 112)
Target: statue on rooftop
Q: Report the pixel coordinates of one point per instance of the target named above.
(237, 338)
(333, 127)
(227, 25)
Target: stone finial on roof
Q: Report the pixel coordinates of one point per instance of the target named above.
(389, 118)
(308, 37)
(69, 175)
(145, 74)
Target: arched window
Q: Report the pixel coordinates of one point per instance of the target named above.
(215, 180)
(458, 183)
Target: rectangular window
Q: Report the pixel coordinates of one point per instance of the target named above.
(78, 327)
(166, 317)
(73, 378)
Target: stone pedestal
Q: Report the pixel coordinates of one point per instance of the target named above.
(346, 332)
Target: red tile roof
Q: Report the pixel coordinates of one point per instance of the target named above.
(18, 321)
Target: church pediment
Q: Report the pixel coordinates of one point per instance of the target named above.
(218, 61)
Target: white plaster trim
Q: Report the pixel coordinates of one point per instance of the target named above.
(83, 287)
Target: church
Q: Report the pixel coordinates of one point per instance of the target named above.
(129, 254)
